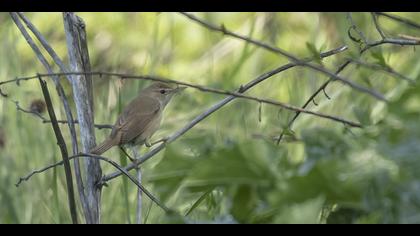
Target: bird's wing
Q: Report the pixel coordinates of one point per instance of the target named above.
(135, 119)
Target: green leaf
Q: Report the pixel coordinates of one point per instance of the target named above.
(363, 115)
(226, 167)
(171, 171)
(315, 52)
(378, 55)
(307, 212)
(243, 203)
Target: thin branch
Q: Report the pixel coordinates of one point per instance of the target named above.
(88, 155)
(3, 94)
(355, 28)
(311, 98)
(45, 120)
(342, 67)
(377, 26)
(44, 43)
(62, 144)
(208, 112)
(286, 54)
(404, 36)
(220, 91)
(62, 96)
(389, 70)
(37, 114)
(400, 19)
(396, 41)
(98, 126)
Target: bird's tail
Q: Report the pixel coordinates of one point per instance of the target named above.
(103, 147)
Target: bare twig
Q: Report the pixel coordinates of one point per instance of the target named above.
(44, 43)
(355, 28)
(286, 54)
(377, 26)
(342, 67)
(3, 94)
(208, 112)
(62, 144)
(98, 126)
(381, 68)
(62, 96)
(400, 19)
(404, 36)
(220, 91)
(45, 120)
(88, 155)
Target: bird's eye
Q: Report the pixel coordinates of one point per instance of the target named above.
(162, 91)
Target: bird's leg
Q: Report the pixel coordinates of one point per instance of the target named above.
(126, 154)
(162, 140)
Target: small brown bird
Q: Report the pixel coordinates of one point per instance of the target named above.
(140, 119)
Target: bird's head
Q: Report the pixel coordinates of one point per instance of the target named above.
(163, 91)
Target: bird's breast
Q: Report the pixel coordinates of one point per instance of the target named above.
(148, 132)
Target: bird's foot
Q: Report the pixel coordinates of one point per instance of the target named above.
(126, 154)
(162, 140)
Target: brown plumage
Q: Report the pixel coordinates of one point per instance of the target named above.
(140, 119)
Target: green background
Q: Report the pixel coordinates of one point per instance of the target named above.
(227, 169)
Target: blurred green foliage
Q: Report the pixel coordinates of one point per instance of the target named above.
(227, 169)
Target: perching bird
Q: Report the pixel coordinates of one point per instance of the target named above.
(140, 119)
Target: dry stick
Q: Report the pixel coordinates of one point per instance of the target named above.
(74, 29)
(98, 126)
(62, 144)
(3, 94)
(343, 66)
(354, 27)
(377, 26)
(45, 120)
(209, 111)
(286, 54)
(311, 98)
(61, 94)
(400, 19)
(120, 169)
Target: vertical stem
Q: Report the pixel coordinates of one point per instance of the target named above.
(139, 198)
(82, 91)
(62, 144)
(60, 91)
(139, 191)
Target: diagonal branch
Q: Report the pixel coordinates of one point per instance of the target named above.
(299, 62)
(113, 163)
(342, 67)
(62, 144)
(45, 120)
(388, 70)
(377, 26)
(209, 111)
(238, 94)
(400, 19)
